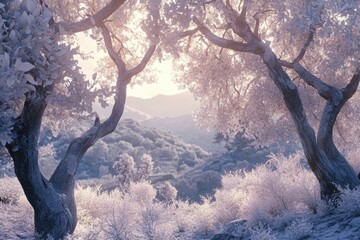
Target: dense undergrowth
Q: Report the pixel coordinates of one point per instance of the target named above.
(281, 194)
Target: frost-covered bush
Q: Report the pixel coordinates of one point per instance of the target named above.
(156, 222)
(349, 203)
(184, 217)
(299, 229)
(16, 214)
(137, 215)
(10, 190)
(261, 232)
(125, 169)
(145, 168)
(204, 217)
(263, 207)
(279, 186)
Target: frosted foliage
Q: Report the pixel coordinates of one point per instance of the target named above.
(169, 192)
(268, 191)
(33, 58)
(137, 214)
(125, 170)
(9, 191)
(142, 192)
(234, 88)
(350, 202)
(262, 232)
(299, 229)
(204, 217)
(145, 168)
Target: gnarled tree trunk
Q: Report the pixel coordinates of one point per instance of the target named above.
(53, 200)
(327, 163)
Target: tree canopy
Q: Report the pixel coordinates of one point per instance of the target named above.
(233, 84)
(307, 50)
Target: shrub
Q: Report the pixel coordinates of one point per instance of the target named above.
(299, 229)
(10, 190)
(204, 217)
(349, 203)
(267, 191)
(261, 232)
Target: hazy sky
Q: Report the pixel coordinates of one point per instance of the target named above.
(164, 84)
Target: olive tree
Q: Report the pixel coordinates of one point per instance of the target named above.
(250, 53)
(40, 79)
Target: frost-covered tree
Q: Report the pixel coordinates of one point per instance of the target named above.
(39, 79)
(125, 170)
(145, 168)
(252, 53)
(128, 171)
(169, 192)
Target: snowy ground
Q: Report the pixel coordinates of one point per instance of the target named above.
(16, 223)
(332, 226)
(277, 199)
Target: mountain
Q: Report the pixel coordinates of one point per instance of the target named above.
(171, 155)
(159, 106)
(171, 113)
(162, 106)
(185, 127)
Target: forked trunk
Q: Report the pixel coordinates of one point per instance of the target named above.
(329, 166)
(52, 213)
(327, 163)
(53, 201)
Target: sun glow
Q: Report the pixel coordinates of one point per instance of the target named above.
(163, 72)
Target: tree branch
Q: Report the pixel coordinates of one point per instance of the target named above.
(110, 49)
(312, 31)
(353, 85)
(225, 43)
(188, 33)
(323, 89)
(97, 18)
(257, 21)
(136, 70)
(63, 177)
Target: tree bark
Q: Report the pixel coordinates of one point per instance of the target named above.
(52, 216)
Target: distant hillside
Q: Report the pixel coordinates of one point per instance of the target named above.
(186, 128)
(170, 154)
(162, 106)
(192, 170)
(171, 113)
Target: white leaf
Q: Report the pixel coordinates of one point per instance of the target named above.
(28, 30)
(47, 14)
(2, 141)
(92, 20)
(12, 35)
(24, 19)
(31, 5)
(6, 60)
(30, 79)
(23, 66)
(31, 87)
(10, 80)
